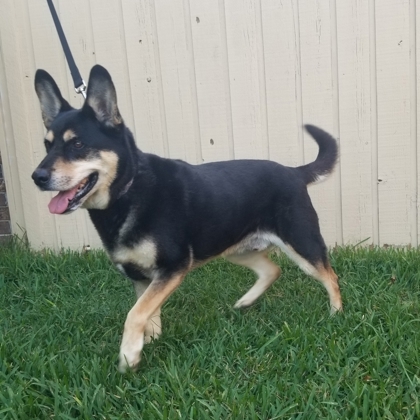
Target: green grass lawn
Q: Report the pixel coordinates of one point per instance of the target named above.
(61, 318)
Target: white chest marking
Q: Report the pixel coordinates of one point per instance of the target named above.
(143, 254)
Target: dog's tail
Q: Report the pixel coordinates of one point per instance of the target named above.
(323, 165)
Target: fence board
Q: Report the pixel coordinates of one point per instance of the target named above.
(212, 70)
(392, 55)
(8, 146)
(172, 25)
(248, 99)
(355, 121)
(74, 229)
(317, 101)
(283, 81)
(145, 83)
(19, 70)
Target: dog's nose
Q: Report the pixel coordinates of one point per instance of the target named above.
(41, 176)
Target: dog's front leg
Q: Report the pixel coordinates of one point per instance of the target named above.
(138, 317)
(154, 325)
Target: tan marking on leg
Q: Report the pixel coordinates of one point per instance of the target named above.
(153, 328)
(154, 324)
(266, 270)
(302, 263)
(140, 287)
(329, 280)
(135, 325)
(325, 275)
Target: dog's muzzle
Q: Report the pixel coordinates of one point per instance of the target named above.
(41, 177)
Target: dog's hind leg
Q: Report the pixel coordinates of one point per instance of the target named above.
(138, 317)
(265, 269)
(154, 324)
(321, 270)
(326, 275)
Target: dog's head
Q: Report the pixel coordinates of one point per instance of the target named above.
(84, 146)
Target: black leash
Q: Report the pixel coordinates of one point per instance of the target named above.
(79, 83)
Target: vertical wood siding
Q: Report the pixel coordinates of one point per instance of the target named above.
(229, 79)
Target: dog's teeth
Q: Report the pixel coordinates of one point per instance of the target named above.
(81, 185)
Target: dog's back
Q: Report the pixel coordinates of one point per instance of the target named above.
(159, 218)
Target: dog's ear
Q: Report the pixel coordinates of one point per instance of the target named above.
(52, 103)
(101, 97)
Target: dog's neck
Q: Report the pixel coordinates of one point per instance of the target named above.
(126, 188)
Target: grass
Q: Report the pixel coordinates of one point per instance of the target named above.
(61, 318)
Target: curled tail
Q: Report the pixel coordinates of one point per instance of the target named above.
(327, 157)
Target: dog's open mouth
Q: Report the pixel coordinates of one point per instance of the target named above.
(67, 201)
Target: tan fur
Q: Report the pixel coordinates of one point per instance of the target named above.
(236, 254)
(66, 175)
(107, 171)
(154, 325)
(49, 136)
(143, 254)
(266, 270)
(303, 264)
(329, 280)
(115, 117)
(325, 275)
(137, 320)
(69, 135)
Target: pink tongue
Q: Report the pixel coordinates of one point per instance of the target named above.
(59, 203)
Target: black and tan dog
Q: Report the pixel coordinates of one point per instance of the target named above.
(160, 218)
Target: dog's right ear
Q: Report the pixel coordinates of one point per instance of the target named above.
(52, 103)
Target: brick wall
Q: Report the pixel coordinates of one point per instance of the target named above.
(5, 229)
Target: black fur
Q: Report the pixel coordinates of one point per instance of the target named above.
(191, 213)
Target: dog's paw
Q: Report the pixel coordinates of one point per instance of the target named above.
(335, 311)
(130, 352)
(128, 361)
(243, 302)
(124, 365)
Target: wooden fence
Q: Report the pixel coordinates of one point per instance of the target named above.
(229, 79)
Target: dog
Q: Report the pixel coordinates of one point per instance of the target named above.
(160, 218)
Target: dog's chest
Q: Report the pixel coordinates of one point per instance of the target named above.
(136, 261)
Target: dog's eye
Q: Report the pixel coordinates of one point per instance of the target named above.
(77, 144)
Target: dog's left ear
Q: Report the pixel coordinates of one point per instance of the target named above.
(101, 97)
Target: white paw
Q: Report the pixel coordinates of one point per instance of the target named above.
(130, 351)
(334, 310)
(243, 302)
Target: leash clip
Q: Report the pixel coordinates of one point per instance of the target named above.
(81, 89)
